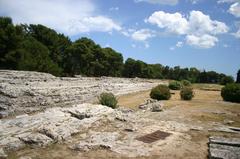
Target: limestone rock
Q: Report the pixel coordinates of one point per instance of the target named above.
(98, 140)
(27, 92)
(35, 139)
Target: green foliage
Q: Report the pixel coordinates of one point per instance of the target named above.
(108, 99)
(186, 93)
(231, 92)
(61, 57)
(161, 92)
(226, 79)
(175, 85)
(238, 76)
(186, 83)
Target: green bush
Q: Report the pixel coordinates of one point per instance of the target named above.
(186, 83)
(161, 92)
(108, 99)
(175, 85)
(231, 92)
(186, 93)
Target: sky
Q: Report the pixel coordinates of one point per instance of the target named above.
(189, 33)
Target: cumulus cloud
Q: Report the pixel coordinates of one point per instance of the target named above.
(199, 28)
(174, 23)
(68, 16)
(142, 34)
(235, 9)
(164, 2)
(203, 41)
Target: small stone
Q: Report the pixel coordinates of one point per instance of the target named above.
(156, 107)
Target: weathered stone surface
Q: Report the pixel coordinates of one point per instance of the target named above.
(26, 92)
(35, 139)
(225, 141)
(97, 140)
(224, 148)
(218, 151)
(53, 125)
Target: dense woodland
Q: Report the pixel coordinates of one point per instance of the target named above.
(39, 48)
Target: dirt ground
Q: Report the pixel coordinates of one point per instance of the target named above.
(206, 110)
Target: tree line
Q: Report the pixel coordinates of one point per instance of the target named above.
(39, 48)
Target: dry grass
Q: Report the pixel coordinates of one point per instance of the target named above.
(206, 106)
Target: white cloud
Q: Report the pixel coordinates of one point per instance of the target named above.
(200, 23)
(194, 1)
(199, 28)
(235, 9)
(175, 22)
(237, 34)
(133, 45)
(172, 48)
(114, 9)
(227, 1)
(204, 41)
(68, 16)
(146, 45)
(142, 35)
(164, 2)
(225, 45)
(179, 44)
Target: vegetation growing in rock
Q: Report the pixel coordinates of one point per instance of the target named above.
(186, 93)
(39, 48)
(108, 99)
(175, 85)
(231, 92)
(160, 92)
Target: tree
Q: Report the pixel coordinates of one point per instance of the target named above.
(56, 43)
(10, 39)
(226, 79)
(34, 56)
(238, 76)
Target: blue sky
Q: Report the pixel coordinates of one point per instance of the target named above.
(187, 33)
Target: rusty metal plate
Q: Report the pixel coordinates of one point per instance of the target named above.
(157, 135)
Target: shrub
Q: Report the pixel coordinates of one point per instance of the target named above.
(186, 83)
(175, 85)
(186, 93)
(161, 92)
(108, 99)
(231, 92)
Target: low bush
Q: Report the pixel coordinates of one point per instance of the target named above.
(186, 93)
(108, 99)
(186, 83)
(175, 85)
(161, 92)
(231, 92)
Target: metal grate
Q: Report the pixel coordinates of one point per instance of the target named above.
(157, 135)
